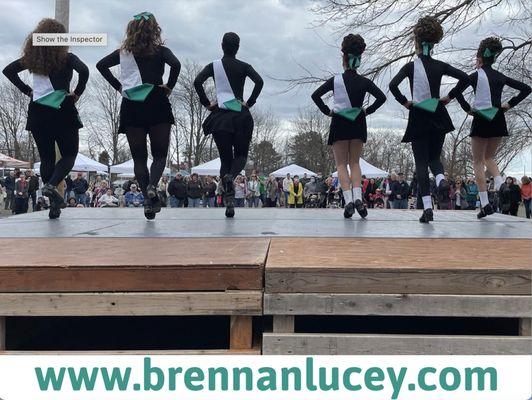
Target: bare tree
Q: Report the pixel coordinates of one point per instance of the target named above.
(188, 137)
(14, 140)
(102, 119)
(383, 149)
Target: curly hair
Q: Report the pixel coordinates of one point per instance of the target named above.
(143, 36)
(352, 44)
(44, 59)
(428, 29)
(494, 45)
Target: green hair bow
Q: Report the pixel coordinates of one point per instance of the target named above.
(353, 61)
(488, 53)
(427, 46)
(146, 15)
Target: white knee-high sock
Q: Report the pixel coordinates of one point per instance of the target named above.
(357, 193)
(427, 202)
(483, 199)
(439, 178)
(348, 196)
(498, 182)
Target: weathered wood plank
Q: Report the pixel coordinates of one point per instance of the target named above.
(131, 304)
(476, 282)
(336, 254)
(342, 344)
(2, 333)
(396, 304)
(129, 280)
(525, 327)
(132, 264)
(283, 323)
(241, 335)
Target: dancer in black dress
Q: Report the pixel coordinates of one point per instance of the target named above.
(348, 131)
(145, 108)
(52, 114)
(428, 120)
(230, 121)
(489, 122)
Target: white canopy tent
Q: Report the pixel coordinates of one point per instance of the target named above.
(10, 162)
(370, 171)
(292, 169)
(211, 168)
(84, 164)
(127, 169)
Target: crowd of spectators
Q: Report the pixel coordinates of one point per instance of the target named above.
(20, 189)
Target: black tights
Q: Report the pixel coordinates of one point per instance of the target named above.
(68, 142)
(427, 152)
(159, 143)
(233, 149)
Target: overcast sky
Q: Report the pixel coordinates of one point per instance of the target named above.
(276, 36)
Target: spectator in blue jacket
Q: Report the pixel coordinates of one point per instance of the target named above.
(134, 198)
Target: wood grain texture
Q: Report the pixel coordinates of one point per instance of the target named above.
(525, 327)
(397, 305)
(283, 323)
(170, 253)
(336, 254)
(404, 282)
(238, 302)
(241, 334)
(342, 344)
(132, 264)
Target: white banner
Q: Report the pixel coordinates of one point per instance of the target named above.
(265, 377)
(69, 39)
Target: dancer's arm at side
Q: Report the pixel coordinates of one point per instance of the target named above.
(83, 73)
(11, 72)
(463, 80)
(524, 91)
(104, 66)
(380, 98)
(204, 74)
(326, 87)
(396, 81)
(175, 66)
(259, 83)
(459, 93)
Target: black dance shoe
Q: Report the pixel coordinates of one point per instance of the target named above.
(485, 211)
(151, 191)
(361, 208)
(427, 216)
(155, 204)
(56, 200)
(230, 206)
(148, 209)
(349, 210)
(54, 213)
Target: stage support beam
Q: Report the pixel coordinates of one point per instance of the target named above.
(241, 332)
(283, 323)
(2, 333)
(525, 327)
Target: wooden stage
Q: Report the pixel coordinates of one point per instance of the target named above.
(275, 263)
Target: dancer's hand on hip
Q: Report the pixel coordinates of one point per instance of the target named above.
(74, 96)
(212, 106)
(506, 106)
(407, 104)
(166, 89)
(445, 100)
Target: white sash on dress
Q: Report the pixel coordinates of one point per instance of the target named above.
(44, 92)
(131, 80)
(421, 95)
(342, 104)
(482, 104)
(224, 93)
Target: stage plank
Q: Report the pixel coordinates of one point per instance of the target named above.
(345, 344)
(216, 352)
(131, 264)
(431, 266)
(490, 306)
(237, 302)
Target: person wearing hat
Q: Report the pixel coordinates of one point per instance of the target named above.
(52, 115)
(428, 119)
(348, 130)
(145, 109)
(489, 122)
(230, 121)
